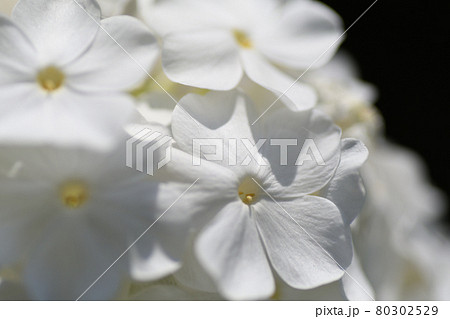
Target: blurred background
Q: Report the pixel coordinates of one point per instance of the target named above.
(403, 48)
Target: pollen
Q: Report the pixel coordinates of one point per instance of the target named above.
(248, 191)
(51, 78)
(74, 194)
(242, 39)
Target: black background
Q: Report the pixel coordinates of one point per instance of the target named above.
(403, 47)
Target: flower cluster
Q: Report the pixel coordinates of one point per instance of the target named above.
(198, 150)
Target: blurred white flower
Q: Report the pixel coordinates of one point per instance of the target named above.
(67, 214)
(388, 235)
(347, 99)
(240, 212)
(62, 76)
(399, 187)
(428, 249)
(210, 44)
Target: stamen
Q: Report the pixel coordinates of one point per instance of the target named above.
(74, 194)
(248, 191)
(50, 78)
(242, 39)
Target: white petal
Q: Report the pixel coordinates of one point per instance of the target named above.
(106, 66)
(193, 119)
(21, 221)
(159, 252)
(20, 228)
(355, 283)
(69, 259)
(65, 119)
(60, 30)
(226, 131)
(307, 31)
(187, 196)
(207, 59)
(192, 275)
(315, 134)
(17, 54)
(203, 196)
(346, 188)
(166, 17)
(297, 96)
(392, 169)
(231, 251)
(309, 251)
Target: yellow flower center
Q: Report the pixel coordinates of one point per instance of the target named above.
(248, 191)
(242, 39)
(74, 194)
(50, 78)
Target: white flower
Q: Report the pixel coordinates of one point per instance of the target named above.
(210, 44)
(62, 76)
(67, 214)
(398, 255)
(429, 249)
(398, 186)
(346, 99)
(404, 265)
(244, 220)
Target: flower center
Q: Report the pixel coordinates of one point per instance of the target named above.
(50, 78)
(248, 191)
(74, 194)
(242, 39)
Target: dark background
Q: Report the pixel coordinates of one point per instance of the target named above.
(403, 47)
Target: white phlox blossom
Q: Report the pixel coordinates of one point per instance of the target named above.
(399, 204)
(238, 218)
(211, 44)
(82, 209)
(62, 76)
